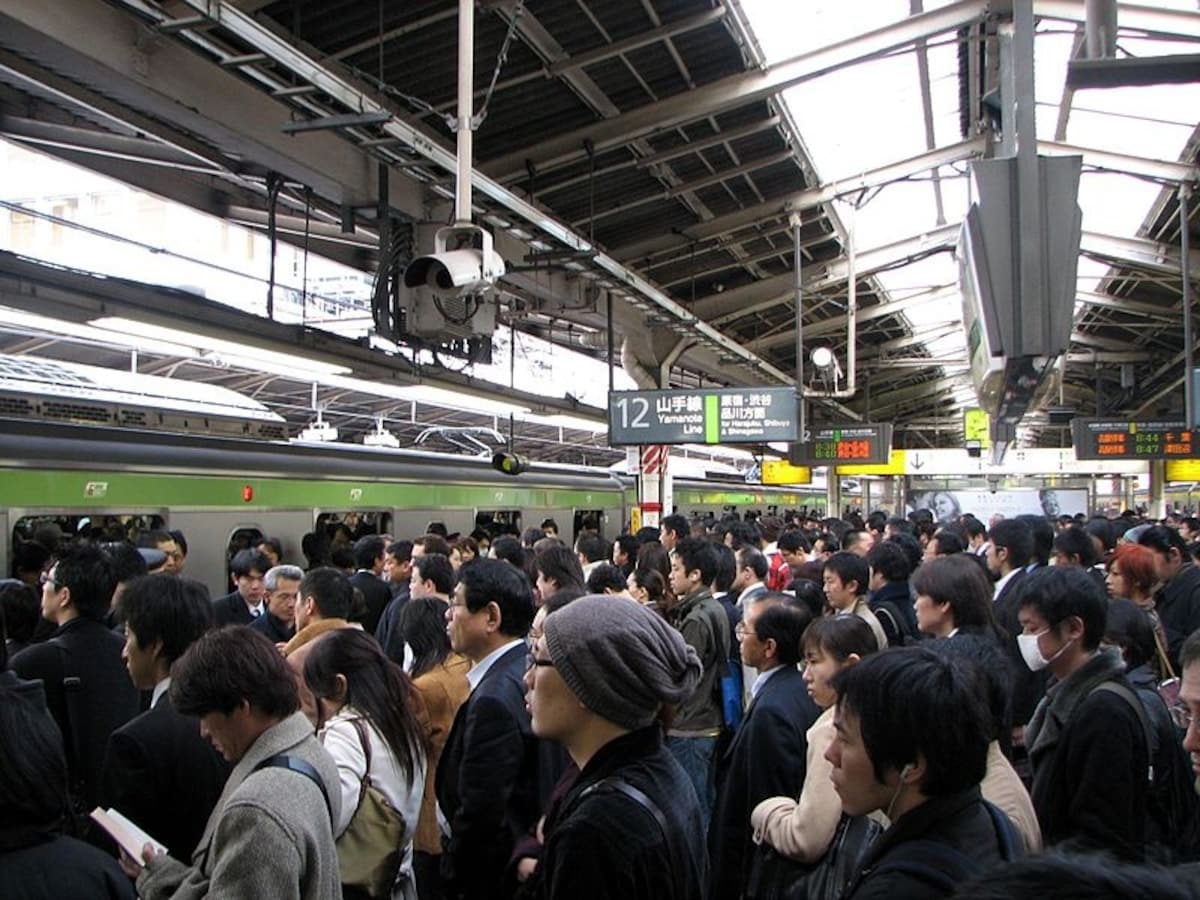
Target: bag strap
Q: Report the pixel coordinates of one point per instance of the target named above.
(621, 786)
(1010, 843)
(300, 767)
(72, 686)
(1131, 699)
(361, 728)
(1168, 669)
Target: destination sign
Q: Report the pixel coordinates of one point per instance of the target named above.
(853, 442)
(1125, 439)
(713, 416)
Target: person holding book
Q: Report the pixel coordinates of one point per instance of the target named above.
(271, 832)
(160, 753)
(37, 861)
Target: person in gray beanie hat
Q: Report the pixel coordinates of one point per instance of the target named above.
(630, 826)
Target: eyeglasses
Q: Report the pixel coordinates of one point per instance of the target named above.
(532, 662)
(741, 629)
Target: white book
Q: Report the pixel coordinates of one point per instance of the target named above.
(129, 836)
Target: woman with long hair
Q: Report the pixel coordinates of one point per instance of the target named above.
(440, 678)
(367, 721)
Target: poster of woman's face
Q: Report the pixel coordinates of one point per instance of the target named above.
(947, 505)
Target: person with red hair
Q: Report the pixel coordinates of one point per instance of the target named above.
(1132, 576)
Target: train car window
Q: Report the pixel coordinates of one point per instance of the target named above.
(588, 520)
(498, 521)
(245, 538)
(347, 526)
(54, 528)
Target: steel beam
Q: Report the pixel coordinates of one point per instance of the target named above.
(804, 200)
(1153, 20)
(735, 90)
(1142, 166)
(1136, 252)
(720, 309)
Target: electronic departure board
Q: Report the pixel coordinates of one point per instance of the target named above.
(852, 442)
(1123, 439)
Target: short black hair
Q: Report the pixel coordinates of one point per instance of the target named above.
(431, 542)
(180, 540)
(246, 561)
(491, 581)
(1129, 627)
(1074, 541)
(89, 573)
(436, 568)
(947, 543)
(330, 589)
(1162, 539)
(697, 554)
(152, 538)
(783, 623)
(19, 613)
(811, 594)
(974, 527)
(1060, 592)
(126, 561)
(913, 551)
(675, 523)
(1015, 536)
(849, 567)
(628, 545)
(958, 580)
(744, 534)
(606, 576)
(275, 545)
(367, 550)
(889, 561)
(755, 560)
(175, 611)
(401, 551)
(794, 541)
(509, 549)
(1043, 536)
(593, 547)
(1070, 876)
(911, 702)
(558, 563)
(726, 568)
(228, 667)
(830, 539)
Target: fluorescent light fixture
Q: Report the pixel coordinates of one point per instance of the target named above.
(423, 393)
(561, 420)
(294, 364)
(62, 328)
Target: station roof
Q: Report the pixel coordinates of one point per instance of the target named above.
(651, 151)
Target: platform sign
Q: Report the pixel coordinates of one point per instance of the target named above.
(1183, 470)
(852, 442)
(1125, 439)
(779, 471)
(714, 416)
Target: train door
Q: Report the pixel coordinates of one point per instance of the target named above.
(339, 529)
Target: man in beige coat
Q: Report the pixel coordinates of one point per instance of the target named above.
(270, 834)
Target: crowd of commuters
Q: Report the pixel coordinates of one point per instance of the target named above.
(927, 706)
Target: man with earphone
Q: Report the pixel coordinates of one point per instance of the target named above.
(912, 732)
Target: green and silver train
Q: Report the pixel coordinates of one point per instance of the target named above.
(225, 493)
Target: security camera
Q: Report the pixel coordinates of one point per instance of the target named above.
(471, 270)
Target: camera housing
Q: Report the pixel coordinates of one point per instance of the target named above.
(461, 271)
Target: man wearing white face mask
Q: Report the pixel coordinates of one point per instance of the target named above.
(1088, 738)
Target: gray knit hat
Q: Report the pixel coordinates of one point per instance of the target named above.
(620, 658)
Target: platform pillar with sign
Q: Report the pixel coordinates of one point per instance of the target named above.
(833, 493)
(654, 484)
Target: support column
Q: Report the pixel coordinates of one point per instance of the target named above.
(833, 493)
(1158, 477)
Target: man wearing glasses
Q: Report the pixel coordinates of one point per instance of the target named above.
(87, 689)
(487, 778)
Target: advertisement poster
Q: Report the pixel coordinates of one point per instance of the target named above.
(983, 504)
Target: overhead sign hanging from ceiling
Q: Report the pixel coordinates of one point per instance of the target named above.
(1125, 439)
(713, 416)
(852, 442)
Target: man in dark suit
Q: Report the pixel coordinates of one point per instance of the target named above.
(87, 690)
(282, 584)
(369, 557)
(158, 770)
(245, 604)
(487, 780)
(767, 755)
(1009, 554)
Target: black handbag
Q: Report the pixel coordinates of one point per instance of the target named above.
(774, 876)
